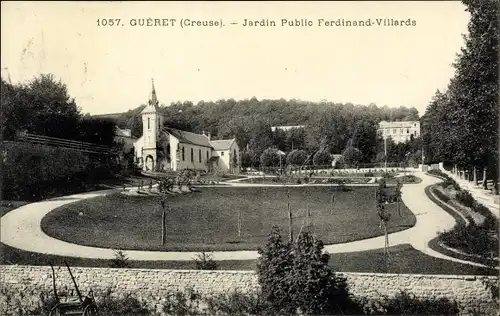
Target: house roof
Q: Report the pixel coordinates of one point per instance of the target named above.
(222, 144)
(189, 138)
(123, 132)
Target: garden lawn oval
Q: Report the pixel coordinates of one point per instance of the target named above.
(208, 219)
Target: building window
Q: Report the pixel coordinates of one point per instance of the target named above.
(183, 156)
(207, 155)
(407, 131)
(192, 155)
(222, 153)
(394, 131)
(199, 154)
(149, 120)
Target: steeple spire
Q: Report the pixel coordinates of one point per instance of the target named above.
(154, 99)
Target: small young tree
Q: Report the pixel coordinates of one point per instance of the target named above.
(120, 261)
(384, 219)
(204, 261)
(398, 197)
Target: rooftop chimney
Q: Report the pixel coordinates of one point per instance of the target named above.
(208, 135)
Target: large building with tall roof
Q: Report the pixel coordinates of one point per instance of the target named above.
(161, 148)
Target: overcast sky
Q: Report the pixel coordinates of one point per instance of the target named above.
(109, 69)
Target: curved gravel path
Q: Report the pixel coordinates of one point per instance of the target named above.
(21, 229)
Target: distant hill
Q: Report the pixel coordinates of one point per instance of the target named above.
(112, 116)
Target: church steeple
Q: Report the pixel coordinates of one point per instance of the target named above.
(154, 100)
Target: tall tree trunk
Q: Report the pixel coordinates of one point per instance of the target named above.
(290, 220)
(331, 204)
(163, 228)
(386, 247)
(485, 181)
(239, 222)
(475, 175)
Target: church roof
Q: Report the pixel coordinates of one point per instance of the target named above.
(222, 144)
(189, 138)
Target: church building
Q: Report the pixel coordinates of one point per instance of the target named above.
(161, 148)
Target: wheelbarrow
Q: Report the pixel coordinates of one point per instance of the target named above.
(73, 305)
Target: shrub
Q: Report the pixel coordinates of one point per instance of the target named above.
(407, 304)
(387, 175)
(183, 303)
(235, 303)
(296, 157)
(204, 261)
(166, 184)
(322, 158)
(440, 195)
(472, 239)
(109, 305)
(33, 172)
(382, 183)
(465, 198)
(296, 276)
(120, 261)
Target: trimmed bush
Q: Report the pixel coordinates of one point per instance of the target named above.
(472, 239)
(465, 198)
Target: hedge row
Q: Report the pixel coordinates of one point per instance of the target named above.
(32, 172)
(473, 239)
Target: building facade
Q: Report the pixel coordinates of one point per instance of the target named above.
(399, 132)
(161, 148)
(229, 155)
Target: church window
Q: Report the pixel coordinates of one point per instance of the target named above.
(183, 156)
(149, 127)
(207, 154)
(192, 155)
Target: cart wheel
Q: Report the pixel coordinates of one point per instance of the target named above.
(90, 310)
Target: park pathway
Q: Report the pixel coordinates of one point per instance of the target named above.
(21, 229)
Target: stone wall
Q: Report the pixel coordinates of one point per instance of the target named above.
(153, 285)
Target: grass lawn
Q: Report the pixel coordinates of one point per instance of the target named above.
(405, 259)
(208, 219)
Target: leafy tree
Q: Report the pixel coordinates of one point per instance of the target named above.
(248, 159)
(365, 139)
(270, 158)
(351, 155)
(460, 126)
(296, 158)
(322, 158)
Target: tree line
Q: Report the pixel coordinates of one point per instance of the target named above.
(460, 125)
(331, 128)
(43, 106)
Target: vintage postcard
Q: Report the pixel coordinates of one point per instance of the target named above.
(249, 158)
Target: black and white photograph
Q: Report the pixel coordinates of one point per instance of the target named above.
(211, 158)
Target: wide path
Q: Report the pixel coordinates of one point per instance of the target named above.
(21, 229)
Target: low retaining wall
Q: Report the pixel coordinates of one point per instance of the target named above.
(23, 284)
